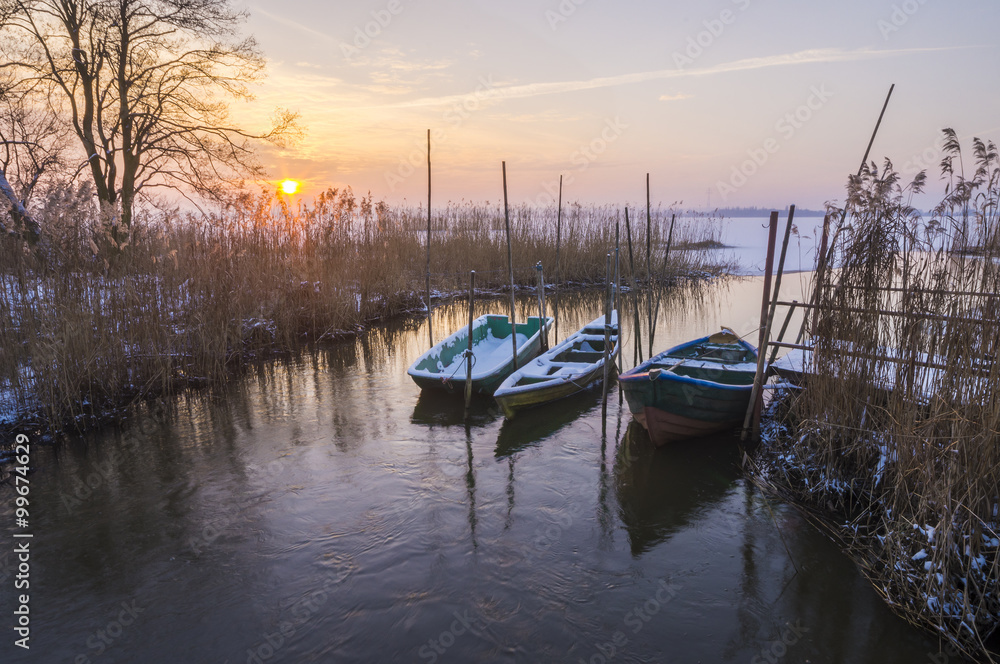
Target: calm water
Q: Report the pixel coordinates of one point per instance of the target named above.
(321, 509)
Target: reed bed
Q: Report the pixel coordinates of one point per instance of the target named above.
(92, 321)
(894, 445)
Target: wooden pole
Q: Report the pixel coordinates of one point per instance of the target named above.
(555, 285)
(649, 268)
(544, 334)
(820, 276)
(468, 359)
(765, 300)
(430, 330)
(607, 335)
(861, 167)
(656, 307)
(758, 381)
(510, 264)
(618, 276)
(871, 141)
(637, 348)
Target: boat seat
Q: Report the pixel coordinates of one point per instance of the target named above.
(580, 356)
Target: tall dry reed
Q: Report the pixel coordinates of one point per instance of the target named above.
(894, 445)
(92, 324)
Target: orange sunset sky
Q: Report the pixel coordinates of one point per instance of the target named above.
(725, 103)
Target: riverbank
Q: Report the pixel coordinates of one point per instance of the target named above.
(97, 322)
(891, 447)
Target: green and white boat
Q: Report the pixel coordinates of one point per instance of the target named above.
(444, 366)
(565, 369)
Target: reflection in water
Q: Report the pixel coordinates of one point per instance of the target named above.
(470, 483)
(661, 491)
(439, 408)
(323, 492)
(533, 426)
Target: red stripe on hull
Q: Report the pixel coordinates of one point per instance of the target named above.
(664, 427)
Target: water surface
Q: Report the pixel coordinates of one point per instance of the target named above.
(322, 509)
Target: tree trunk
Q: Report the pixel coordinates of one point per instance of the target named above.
(18, 212)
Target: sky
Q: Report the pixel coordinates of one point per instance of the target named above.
(724, 103)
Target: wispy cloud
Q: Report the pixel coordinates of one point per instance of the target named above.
(676, 97)
(813, 56)
(287, 22)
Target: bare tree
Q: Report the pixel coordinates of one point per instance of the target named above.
(146, 86)
(31, 139)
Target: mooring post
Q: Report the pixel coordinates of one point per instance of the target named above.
(758, 383)
(542, 331)
(649, 268)
(637, 337)
(607, 335)
(821, 262)
(765, 300)
(510, 264)
(430, 329)
(663, 272)
(468, 359)
(618, 285)
(555, 285)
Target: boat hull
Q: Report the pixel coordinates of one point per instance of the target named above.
(566, 369)
(673, 407)
(512, 403)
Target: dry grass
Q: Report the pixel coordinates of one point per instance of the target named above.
(901, 459)
(88, 327)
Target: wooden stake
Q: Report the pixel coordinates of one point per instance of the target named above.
(542, 331)
(430, 330)
(666, 255)
(607, 335)
(510, 264)
(758, 381)
(555, 285)
(618, 276)
(468, 359)
(765, 300)
(649, 268)
(821, 261)
(637, 347)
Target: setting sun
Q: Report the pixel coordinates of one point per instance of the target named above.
(289, 186)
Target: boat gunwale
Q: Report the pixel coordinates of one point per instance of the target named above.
(415, 372)
(558, 380)
(641, 372)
